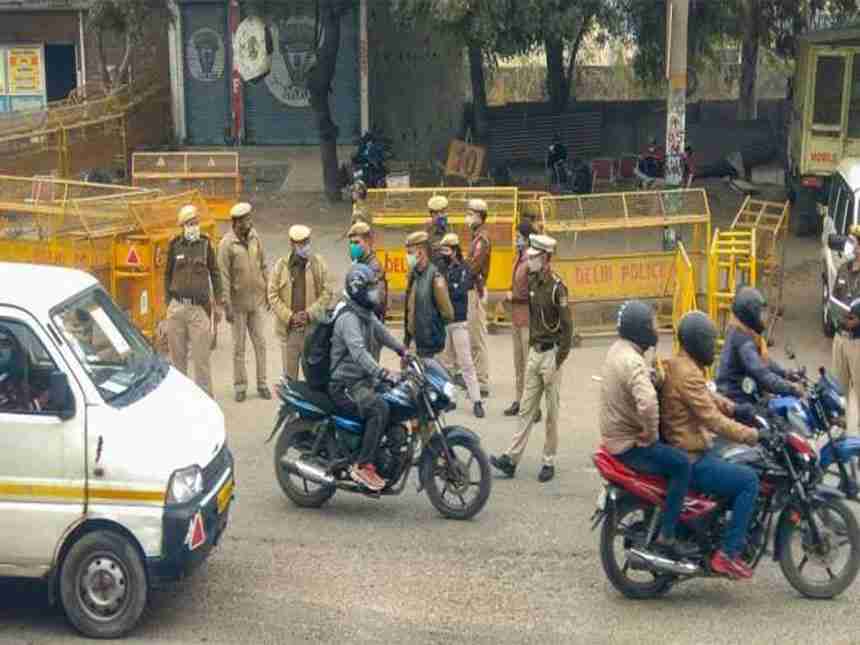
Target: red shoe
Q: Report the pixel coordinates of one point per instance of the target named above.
(366, 477)
(378, 480)
(731, 567)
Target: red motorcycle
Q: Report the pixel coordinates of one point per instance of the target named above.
(814, 530)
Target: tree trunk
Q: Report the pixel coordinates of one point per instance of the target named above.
(319, 84)
(555, 81)
(747, 100)
(479, 91)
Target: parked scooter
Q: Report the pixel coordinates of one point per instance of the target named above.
(368, 162)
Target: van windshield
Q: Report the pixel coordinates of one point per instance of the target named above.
(111, 350)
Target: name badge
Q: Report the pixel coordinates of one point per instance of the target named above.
(180, 257)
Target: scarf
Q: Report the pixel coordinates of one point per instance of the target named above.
(760, 342)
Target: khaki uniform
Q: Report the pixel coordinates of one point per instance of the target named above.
(314, 290)
(361, 213)
(191, 276)
(550, 338)
(846, 346)
(244, 276)
(478, 260)
(520, 320)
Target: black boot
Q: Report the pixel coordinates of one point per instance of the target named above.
(479, 409)
(514, 410)
(546, 473)
(505, 464)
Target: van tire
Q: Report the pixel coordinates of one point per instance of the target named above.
(113, 557)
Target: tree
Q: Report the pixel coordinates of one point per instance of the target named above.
(127, 19)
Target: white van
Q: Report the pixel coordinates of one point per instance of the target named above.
(842, 212)
(114, 469)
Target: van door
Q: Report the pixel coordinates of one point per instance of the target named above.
(852, 135)
(42, 478)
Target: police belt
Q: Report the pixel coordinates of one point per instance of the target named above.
(545, 347)
(190, 301)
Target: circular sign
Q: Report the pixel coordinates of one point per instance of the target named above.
(249, 46)
(204, 55)
(295, 43)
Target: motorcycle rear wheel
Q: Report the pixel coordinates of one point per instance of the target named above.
(629, 523)
(298, 439)
(839, 529)
(447, 492)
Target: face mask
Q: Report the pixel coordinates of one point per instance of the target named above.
(192, 233)
(303, 251)
(535, 265)
(473, 221)
(850, 251)
(442, 221)
(355, 251)
(244, 229)
(411, 260)
(521, 243)
(373, 296)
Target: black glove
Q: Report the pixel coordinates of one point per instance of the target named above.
(745, 413)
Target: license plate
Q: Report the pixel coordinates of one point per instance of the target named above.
(601, 500)
(225, 495)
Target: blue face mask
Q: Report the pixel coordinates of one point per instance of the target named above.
(442, 222)
(355, 251)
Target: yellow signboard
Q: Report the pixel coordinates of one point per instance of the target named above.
(26, 70)
(465, 160)
(617, 277)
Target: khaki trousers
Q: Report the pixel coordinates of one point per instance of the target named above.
(248, 323)
(846, 368)
(292, 346)
(477, 318)
(521, 355)
(189, 325)
(542, 378)
(458, 352)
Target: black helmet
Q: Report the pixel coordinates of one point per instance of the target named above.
(698, 336)
(748, 307)
(636, 324)
(360, 281)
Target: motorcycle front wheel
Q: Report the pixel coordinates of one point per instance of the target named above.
(460, 489)
(625, 527)
(824, 569)
(294, 442)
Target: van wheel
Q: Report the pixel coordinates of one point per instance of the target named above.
(103, 585)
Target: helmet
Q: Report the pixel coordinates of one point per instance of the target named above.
(748, 307)
(636, 324)
(698, 336)
(360, 282)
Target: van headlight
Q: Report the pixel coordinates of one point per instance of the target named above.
(185, 484)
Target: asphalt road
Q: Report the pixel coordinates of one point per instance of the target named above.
(526, 570)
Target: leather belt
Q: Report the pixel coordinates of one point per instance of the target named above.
(188, 301)
(545, 347)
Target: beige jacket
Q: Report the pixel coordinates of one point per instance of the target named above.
(629, 407)
(317, 289)
(243, 272)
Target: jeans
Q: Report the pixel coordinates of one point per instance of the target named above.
(672, 463)
(716, 476)
(362, 402)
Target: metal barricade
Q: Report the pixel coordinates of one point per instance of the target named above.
(684, 299)
(732, 263)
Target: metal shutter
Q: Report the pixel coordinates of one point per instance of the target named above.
(207, 66)
(276, 107)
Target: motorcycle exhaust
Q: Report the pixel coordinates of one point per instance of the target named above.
(311, 472)
(640, 559)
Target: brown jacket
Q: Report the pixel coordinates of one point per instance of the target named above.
(629, 410)
(280, 292)
(480, 251)
(690, 413)
(243, 271)
(520, 291)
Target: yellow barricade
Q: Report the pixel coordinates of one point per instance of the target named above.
(616, 246)
(686, 286)
(732, 263)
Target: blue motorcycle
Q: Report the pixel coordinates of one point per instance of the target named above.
(317, 445)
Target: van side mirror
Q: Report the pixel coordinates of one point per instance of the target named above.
(836, 242)
(62, 401)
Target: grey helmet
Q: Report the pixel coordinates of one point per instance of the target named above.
(360, 286)
(748, 307)
(698, 336)
(636, 324)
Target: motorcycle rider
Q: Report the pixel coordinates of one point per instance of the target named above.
(745, 352)
(630, 417)
(356, 338)
(689, 414)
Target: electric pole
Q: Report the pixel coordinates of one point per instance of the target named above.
(677, 12)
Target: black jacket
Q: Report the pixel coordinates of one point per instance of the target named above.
(460, 281)
(740, 358)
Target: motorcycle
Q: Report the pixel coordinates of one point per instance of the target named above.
(368, 162)
(813, 523)
(567, 179)
(316, 445)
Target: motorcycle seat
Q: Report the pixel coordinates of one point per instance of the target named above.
(322, 401)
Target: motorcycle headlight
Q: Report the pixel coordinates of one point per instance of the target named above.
(185, 484)
(448, 390)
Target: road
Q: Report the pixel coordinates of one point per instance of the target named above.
(526, 570)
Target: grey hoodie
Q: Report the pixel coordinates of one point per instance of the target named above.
(357, 332)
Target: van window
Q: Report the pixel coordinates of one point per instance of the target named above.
(834, 194)
(25, 370)
(829, 85)
(840, 221)
(849, 210)
(854, 105)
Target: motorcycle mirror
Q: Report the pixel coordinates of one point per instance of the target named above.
(748, 385)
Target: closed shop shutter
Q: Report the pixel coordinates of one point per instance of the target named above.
(277, 108)
(207, 71)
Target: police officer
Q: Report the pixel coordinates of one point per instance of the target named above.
(437, 225)
(846, 343)
(550, 338)
(428, 303)
(480, 250)
(244, 275)
(299, 294)
(190, 276)
(361, 252)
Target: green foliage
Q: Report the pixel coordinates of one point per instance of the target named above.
(127, 18)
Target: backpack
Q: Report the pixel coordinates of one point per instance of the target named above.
(316, 354)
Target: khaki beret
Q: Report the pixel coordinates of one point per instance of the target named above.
(186, 214)
(451, 239)
(359, 228)
(299, 232)
(541, 243)
(477, 205)
(240, 210)
(437, 203)
(854, 230)
(419, 237)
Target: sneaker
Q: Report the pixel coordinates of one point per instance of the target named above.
(379, 481)
(365, 476)
(546, 473)
(731, 567)
(514, 410)
(505, 464)
(264, 393)
(479, 409)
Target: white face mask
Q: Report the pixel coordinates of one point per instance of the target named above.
(192, 232)
(473, 221)
(850, 250)
(535, 264)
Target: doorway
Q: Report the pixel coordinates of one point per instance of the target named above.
(61, 74)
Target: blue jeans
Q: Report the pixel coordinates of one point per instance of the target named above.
(672, 463)
(716, 476)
